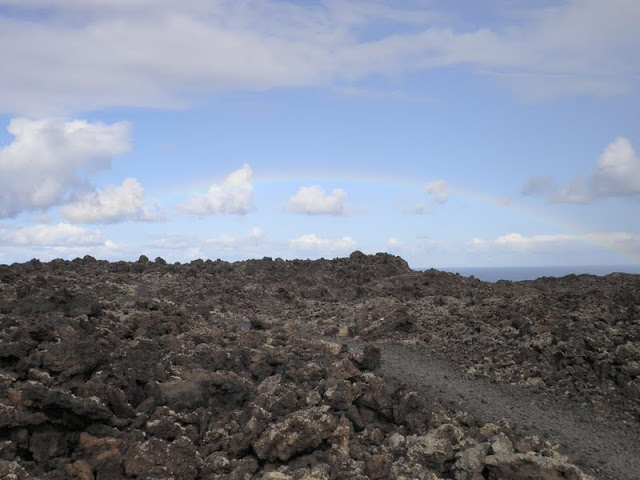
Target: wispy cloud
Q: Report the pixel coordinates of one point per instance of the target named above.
(161, 53)
(519, 242)
(575, 191)
(540, 185)
(625, 243)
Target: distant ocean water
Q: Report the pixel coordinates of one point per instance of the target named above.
(515, 274)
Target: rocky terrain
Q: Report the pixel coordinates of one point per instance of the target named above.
(353, 368)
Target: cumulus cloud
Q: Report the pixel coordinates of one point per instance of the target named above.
(62, 234)
(314, 201)
(233, 196)
(115, 204)
(439, 191)
(161, 53)
(314, 242)
(617, 174)
(618, 170)
(50, 160)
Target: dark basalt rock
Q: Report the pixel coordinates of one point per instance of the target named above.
(210, 369)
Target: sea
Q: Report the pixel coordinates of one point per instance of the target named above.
(516, 274)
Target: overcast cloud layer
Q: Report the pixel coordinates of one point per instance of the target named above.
(162, 54)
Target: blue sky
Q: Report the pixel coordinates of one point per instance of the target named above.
(449, 134)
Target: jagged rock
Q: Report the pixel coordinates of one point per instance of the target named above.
(36, 395)
(70, 304)
(46, 445)
(396, 443)
(13, 471)
(525, 466)
(79, 470)
(501, 445)
(370, 359)
(276, 476)
(243, 468)
(217, 463)
(150, 370)
(158, 458)
(410, 409)
(344, 370)
(73, 357)
(378, 466)
(298, 433)
(436, 448)
(103, 455)
(200, 387)
(470, 463)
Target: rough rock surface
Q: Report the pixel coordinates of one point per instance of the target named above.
(215, 370)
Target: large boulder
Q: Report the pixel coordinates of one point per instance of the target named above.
(298, 433)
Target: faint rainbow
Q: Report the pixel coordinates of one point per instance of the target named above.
(416, 186)
(413, 186)
(563, 225)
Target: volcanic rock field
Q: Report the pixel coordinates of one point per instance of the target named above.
(352, 368)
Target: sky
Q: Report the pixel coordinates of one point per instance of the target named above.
(449, 132)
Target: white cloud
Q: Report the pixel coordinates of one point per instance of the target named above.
(233, 196)
(313, 242)
(521, 243)
(617, 174)
(518, 241)
(50, 160)
(393, 242)
(314, 201)
(115, 204)
(62, 234)
(439, 191)
(71, 56)
(618, 170)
